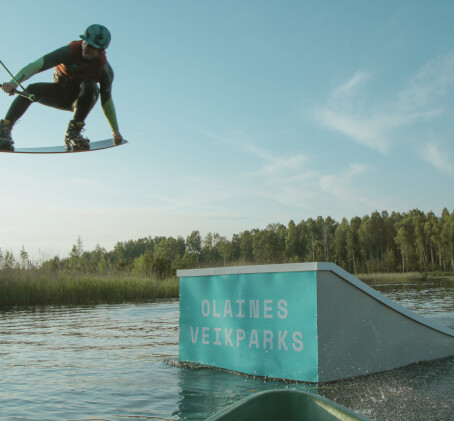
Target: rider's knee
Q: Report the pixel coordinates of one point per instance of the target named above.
(33, 88)
(89, 89)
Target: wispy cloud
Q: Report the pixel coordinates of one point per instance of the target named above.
(270, 163)
(368, 131)
(352, 85)
(292, 185)
(438, 158)
(429, 86)
(348, 112)
(352, 110)
(278, 165)
(342, 186)
(334, 193)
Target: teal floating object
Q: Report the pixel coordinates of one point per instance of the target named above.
(285, 405)
(258, 323)
(310, 322)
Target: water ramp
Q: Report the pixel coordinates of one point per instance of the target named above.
(311, 322)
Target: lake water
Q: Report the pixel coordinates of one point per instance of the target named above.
(118, 362)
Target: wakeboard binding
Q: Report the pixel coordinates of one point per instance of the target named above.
(6, 141)
(74, 141)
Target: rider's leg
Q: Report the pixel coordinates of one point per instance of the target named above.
(85, 101)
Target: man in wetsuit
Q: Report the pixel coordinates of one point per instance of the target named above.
(79, 67)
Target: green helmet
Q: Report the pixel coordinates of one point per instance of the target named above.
(97, 36)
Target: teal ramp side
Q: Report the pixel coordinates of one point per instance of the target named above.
(361, 331)
(263, 324)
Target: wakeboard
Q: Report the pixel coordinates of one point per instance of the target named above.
(94, 146)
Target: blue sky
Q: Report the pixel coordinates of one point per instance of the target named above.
(239, 113)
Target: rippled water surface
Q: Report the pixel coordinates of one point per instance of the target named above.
(118, 362)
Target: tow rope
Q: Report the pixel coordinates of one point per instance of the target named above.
(24, 94)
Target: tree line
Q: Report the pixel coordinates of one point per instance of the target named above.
(380, 242)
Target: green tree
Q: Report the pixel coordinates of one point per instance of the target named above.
(269, 244)
(246, 247)
(187, 261)
(447, 240)
(405, 240)
(431, 233)
(223, 248)
(24, 260)
(236, 248)
(7, 260)
(194, 243)
(209, 254)
(315, 243)
(369, 241)
(162, 267)
(103, 264)
(75, 256)
(303, 242)
(340, 244)
(291, 242)
(144, 264)
(328, 231)
(353, 245)
(51, 266)
(421, 244)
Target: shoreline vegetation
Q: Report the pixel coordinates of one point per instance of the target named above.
(20, 288)
(400, 277)
(380, 247)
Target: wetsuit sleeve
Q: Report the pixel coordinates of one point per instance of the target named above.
(61, 55)
(105, 87)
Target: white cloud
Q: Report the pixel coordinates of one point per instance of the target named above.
(429, 85)
(365, 131)
(308, 190)
(439, 159)
(278, 185)
(284, 164)
(352, 85)
(343, 188)
(352, 110)
(272, 163)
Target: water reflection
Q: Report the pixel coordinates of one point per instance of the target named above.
(76, 363)
(111, 362)
(432, 299)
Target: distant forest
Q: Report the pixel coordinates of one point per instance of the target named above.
(380, 242)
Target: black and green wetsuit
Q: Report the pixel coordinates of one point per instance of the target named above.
(75, 87)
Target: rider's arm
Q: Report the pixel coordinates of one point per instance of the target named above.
(61, 55)
(108, 107)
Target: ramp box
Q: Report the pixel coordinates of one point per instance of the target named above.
(311, 322)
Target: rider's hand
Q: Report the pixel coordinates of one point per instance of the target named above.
(117, 137)
(9, 88)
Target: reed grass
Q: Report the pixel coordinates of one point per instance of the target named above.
(32, 287)
(20, 288)
(393, 277)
